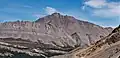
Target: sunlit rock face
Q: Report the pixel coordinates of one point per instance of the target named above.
(53, 34)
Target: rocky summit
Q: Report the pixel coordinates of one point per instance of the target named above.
(49, 36)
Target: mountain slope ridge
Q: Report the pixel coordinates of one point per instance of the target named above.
(53, 34)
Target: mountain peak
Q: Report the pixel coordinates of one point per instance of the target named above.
(55, 16)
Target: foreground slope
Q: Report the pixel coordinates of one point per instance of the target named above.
(51, 35)
(108, 47)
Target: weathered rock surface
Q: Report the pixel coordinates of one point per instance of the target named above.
(107, 47)
(51, 35)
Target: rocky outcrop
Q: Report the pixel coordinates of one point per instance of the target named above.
(51, 35)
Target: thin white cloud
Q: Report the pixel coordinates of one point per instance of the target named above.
(101, 4)
(112, 12)
(38, 15)
(113, 4)
(50, 10)
(104, 8)
(96, 3)
(107, 13)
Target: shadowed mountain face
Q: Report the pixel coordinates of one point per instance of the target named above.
(51, 35)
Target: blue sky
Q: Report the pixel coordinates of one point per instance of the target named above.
(101, 12)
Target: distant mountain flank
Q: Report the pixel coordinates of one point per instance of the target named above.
(51, 35)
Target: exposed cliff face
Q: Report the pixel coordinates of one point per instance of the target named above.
(53, 34)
